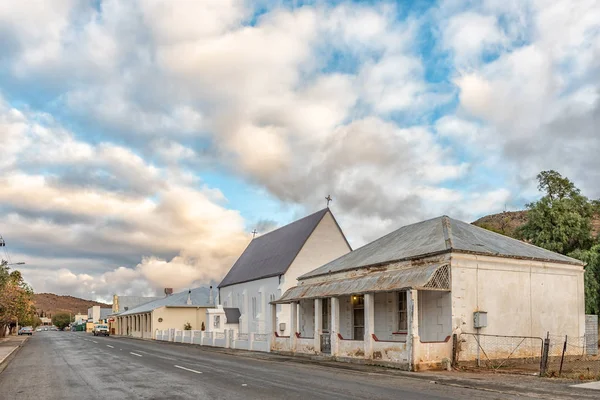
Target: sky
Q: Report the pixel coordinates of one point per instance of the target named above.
(142, 141)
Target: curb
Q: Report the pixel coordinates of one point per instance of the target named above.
(8, 358)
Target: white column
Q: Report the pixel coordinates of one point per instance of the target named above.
(335, 325)
(318, 325)
(413, 327)
(293, 325)
(369, 324)
(272, 324)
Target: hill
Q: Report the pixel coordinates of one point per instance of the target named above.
(50, 304)
(507, 222)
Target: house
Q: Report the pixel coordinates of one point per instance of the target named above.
(98, 314)
(174, 311)
(399, 300)
(125, 303)
(271, 264)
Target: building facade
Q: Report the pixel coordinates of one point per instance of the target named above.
(174, 311)
(272, 263)
(400, 299)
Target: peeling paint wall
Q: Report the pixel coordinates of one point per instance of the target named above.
(390, 352)
(431, 355)
(306, 346)
(280, 344)
(351, 348)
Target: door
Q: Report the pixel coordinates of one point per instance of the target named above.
(326, 323)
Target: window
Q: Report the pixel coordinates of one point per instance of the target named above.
(402, 312)
(358, 317)
(217, 321)
(254, 308)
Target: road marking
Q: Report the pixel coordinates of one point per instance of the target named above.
(187, 369)
(94, 341)
(135, 354)
(108, 345)
(244, 384)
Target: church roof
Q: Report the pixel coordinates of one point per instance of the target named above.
(272, 254)
(437, 236)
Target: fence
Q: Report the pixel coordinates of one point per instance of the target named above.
(553, 356)
(572, 357)
(497, 351)
(226, 339)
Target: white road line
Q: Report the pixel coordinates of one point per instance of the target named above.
(108, 345)
(135, 354)
(94, 341)
(187, 369)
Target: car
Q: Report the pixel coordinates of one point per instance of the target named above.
(26, 330)
(38, 329)
(101, 330)
(46, 328)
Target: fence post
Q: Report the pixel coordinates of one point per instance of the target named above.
(454, 349)
(562, 357)
(226, 338)
(545, 349)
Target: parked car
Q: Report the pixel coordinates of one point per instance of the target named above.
(26, 330)
(38, 329)
(101, 330)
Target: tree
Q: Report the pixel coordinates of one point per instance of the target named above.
(591, 277)
(555, 185)
(16, 299)
(187, 326)
(561, 220)
(61, 320)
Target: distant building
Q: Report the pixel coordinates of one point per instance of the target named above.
(169, 312)
(46, 321)
(271, 264)
(98, 314)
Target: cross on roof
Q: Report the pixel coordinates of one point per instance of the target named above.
(328, 198)
(254, 232)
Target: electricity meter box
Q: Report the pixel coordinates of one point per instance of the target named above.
(479, 319)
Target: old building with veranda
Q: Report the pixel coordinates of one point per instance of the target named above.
(400, 299)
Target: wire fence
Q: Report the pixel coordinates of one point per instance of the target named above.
(572, 357)
(552, 356)
(498, 351)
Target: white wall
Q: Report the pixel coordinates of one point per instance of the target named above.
(435, 315)
(521, 298)
(240, 296)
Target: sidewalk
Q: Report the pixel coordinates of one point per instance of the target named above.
(8, 345)
(518, 385)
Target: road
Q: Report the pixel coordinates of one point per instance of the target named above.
(73, 365)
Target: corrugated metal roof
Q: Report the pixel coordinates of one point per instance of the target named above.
(410, 277)
(199, 297)
(232, 315)
(130, 302)
(438, 235)
(273, 253)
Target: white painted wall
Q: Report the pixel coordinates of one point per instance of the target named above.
(435, 315)
(325, 244)
(240, 296)
(522, 298)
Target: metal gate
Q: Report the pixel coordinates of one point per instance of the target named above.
(326, 343)
(498, 351)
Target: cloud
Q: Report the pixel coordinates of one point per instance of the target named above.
(114, 112)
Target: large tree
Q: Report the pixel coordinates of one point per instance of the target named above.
(16, 299)
(591, 278)
(561, 220)
(61, 320)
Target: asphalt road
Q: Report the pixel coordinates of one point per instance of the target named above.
(73, 365)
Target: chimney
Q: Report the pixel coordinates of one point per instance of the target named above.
(168, 291)
(189, 299)
(210, 297)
